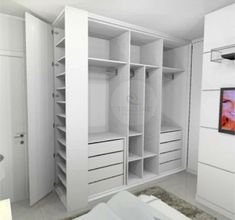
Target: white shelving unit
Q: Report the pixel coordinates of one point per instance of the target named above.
(116, 110)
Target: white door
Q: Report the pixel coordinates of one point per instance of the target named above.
(13, 153)
(39, 57)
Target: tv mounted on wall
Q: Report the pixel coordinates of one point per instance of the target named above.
(227, 111)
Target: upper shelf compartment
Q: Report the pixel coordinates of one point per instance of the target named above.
(108, 42)
(146, 49)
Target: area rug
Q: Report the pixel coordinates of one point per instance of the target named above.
(175, 202)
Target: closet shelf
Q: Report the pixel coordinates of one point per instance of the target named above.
(61, 42)
(61, 128)
(147, 174)
(169, 128)
(62, 154)
(170, 70)
(62, 179)
(61, 166)
(134, 133)
(103, 136)
(151, 67)
(148, 154)
(135, 66)
(105, 63)
(61, 192)
(60, 75)
(62, 141)
(133, 157)
(60, 88)
(61, 115)
(61, 60)
(132, 178)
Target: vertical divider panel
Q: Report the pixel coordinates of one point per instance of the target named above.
(76, 53)
(119, 88)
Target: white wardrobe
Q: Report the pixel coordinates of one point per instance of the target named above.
(108, 106)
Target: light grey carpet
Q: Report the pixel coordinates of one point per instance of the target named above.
(174, 201)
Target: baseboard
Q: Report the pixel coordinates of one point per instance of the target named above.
(214, 207)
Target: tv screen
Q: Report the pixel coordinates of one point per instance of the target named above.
(227, 111)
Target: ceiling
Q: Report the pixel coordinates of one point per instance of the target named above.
(180, 18)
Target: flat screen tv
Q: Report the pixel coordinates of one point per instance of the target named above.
(227, 111)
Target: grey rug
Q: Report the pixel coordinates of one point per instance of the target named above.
(172, 200)
(175, 202)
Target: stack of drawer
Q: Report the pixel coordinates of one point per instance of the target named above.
(106, 168)
(170, 150)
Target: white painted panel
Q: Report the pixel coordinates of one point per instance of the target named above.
(217, 149)
(12, 36)
(105, 147)
(170, 146)
(170, 156)
(219, 28)
(105, 160)
(135, 54)
(216, 186)
(169, 166)
(170, 136)
(76, 68)
(106, 172)
(217, 75)
(98, 100)
(40, 107)
(105, 185)
(99, 48)
(210, 101)
(197, 57)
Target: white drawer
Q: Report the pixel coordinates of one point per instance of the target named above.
(170, 156)
(169, 166)
(105, 147)
(170, 136)
(105, 160)
(174, 145)
(104, 173)
(105, 185)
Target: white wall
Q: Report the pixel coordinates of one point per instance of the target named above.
(216, 173)
(197, 57)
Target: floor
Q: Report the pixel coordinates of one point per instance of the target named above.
(182, 184)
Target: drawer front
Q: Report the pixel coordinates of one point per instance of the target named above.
(105, 147)
(105, 185)
(170, 156)
(169, 166)
(105, 160)
(166, 147)
(103, 173)
(170, 136)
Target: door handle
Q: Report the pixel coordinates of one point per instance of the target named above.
(1, 157)
(19, 136)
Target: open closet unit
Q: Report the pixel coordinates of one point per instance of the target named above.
(119, 95)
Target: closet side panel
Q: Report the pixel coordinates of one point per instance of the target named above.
(76, 53)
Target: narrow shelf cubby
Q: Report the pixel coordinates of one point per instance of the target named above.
(135, 148)
(152, 119)
(135, 171)
(150, 167)
(145, 49)
(107, 42)
(136, 101)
